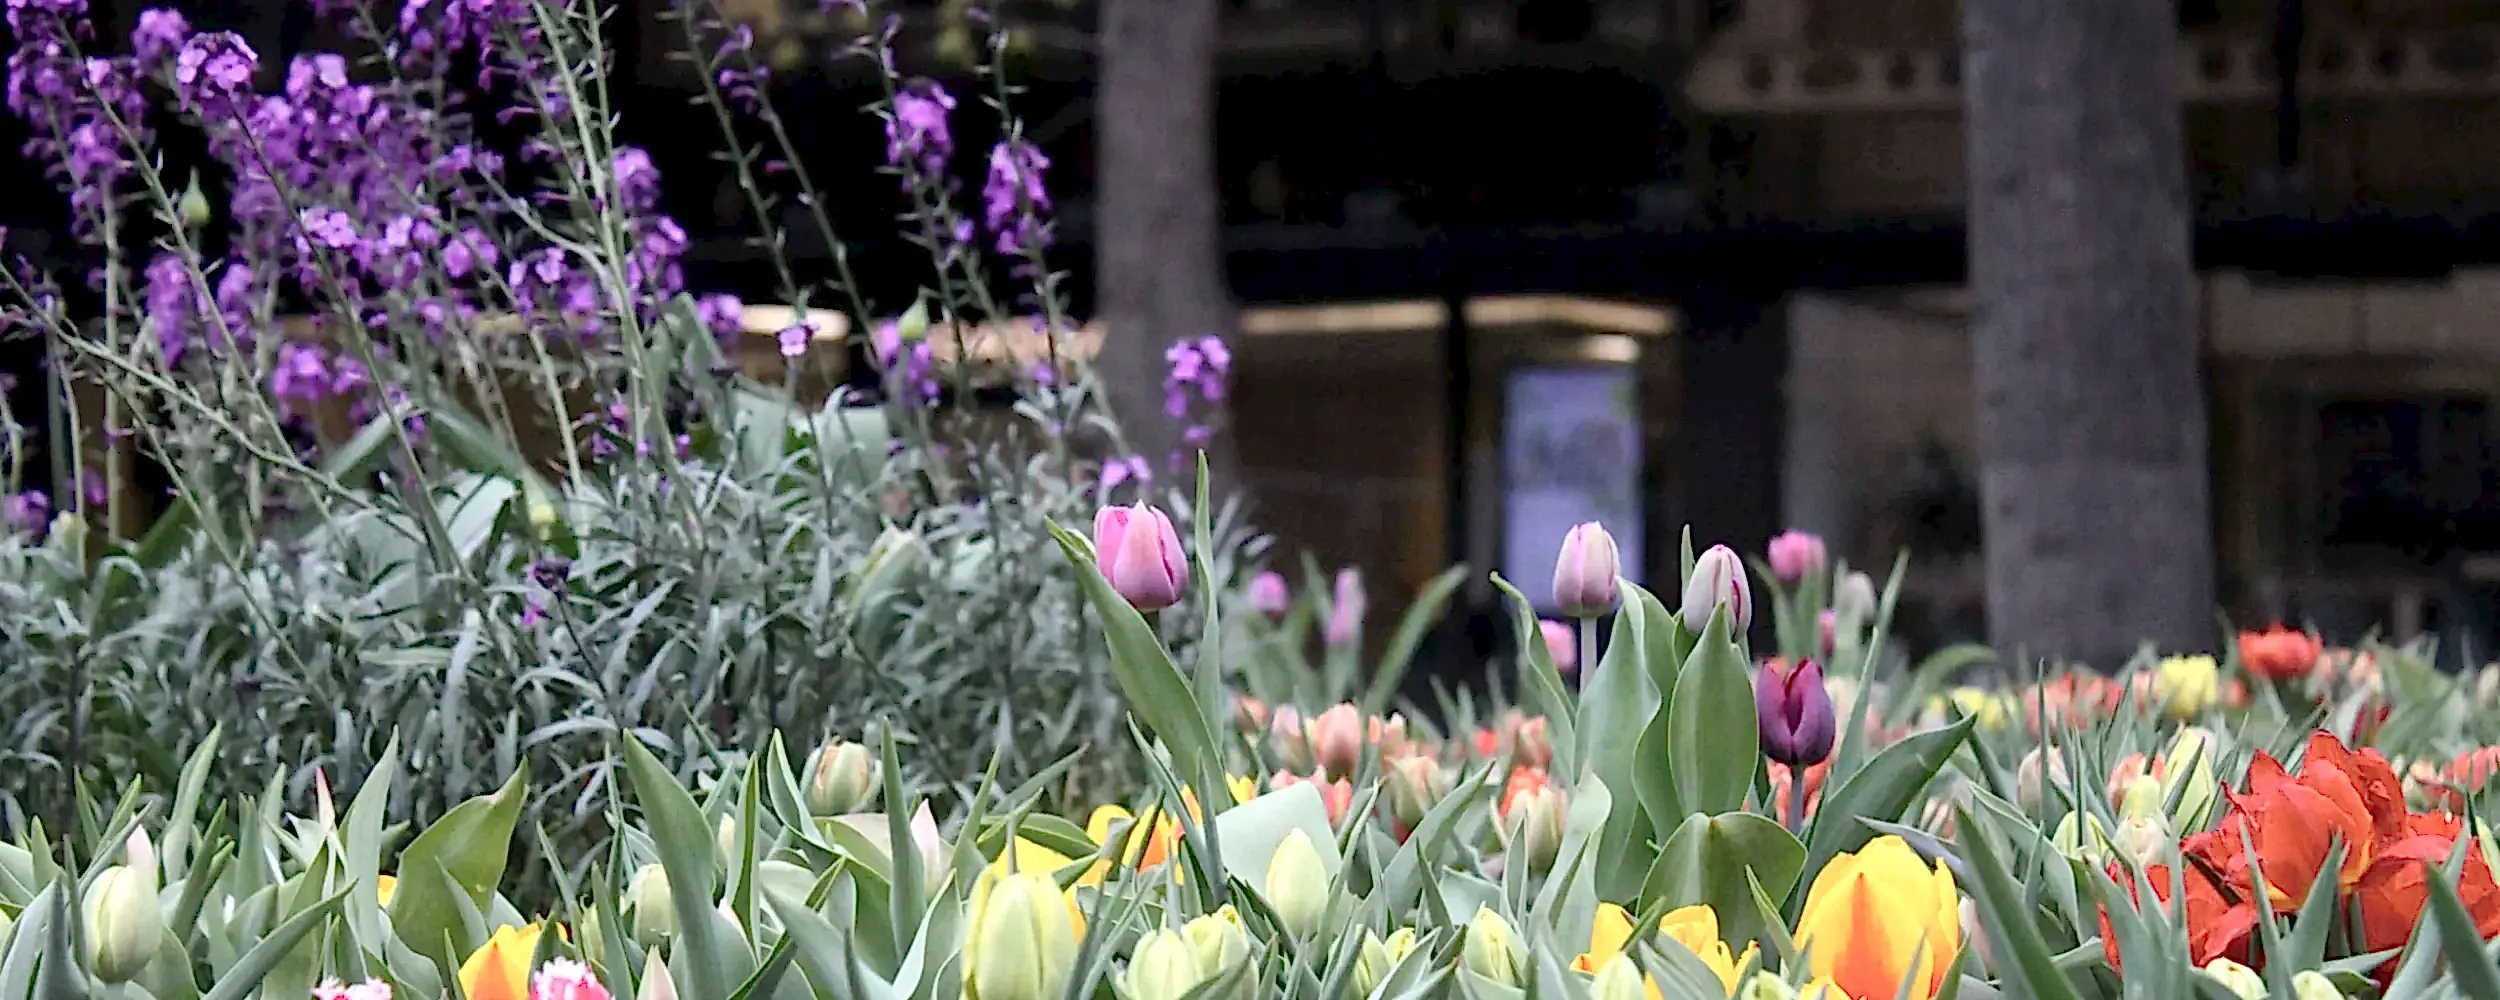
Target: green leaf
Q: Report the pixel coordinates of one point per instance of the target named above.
(2470, 967)
(1719, 860)
(1617, 702)
(1712, 737)
(1541, 692)
(245, 978)
(470, 846)
(710, 961)
(2012, 926)
(1885, 789)
(1157, 694)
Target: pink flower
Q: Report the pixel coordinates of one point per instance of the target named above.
(1558, 642)
(566, 979)
(1797, 553)
(1345, 613)
(371, 989)
(1337, 740)
(1137, 550)
(1269, 595)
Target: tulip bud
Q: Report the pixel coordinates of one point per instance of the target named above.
(1718, 582)
(2142, 798)
(1290, 737)
(1139, 552)
(657, 984)
(725, 838)
(125, 922)
(1983, 954)
(1337, 740)
(1492, 949)
(2028, 779)
(1797, 553)
(1249, 715)
(1532, 827)
(1559, 645)
(1618, 979)
(1531, 743)
(1415, 784)
(1828, 624)
(1585, 573)
(1021, 938)
(1269, 596)
(1766, 986)
(1163, 967)
(1345, 611)
(2087, 842)
(1297, 885)
(1853, 598)
(1793, 714)
(653, 906)
(2239, 979)
(1219, 940)
(2146, 839)
(2189, 779)
(1371, 964)
(2187, 685)
(2310, 984)
(843, 779)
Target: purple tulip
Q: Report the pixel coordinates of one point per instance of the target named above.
(1137, 550)
(1585, 573)
(1269, 595)
(1795, 714)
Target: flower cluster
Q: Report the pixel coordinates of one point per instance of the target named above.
(1198, 372)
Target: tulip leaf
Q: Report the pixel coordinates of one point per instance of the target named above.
(2012, 927)
(1156, 693)
(1719, 860)
(2470, 967)
(470, 845)
(1541, 692)
(1618, 700)
(245, 978)
(1883, 790)
(1653, 773)
(1713, 738)
(713, 960)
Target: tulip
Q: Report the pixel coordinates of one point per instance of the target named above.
(1290, 737)
(1269, 596)
(1345, 611)
(1533, 819)
(1794, 714)
(1797, 553)
(2310, 984)
(1137, 550)
(843, 779)
(371, 989)
(1879, 918)
(2280, 654)
(1992, 709)
(1219, 940)
(1337, 740)
(1297, 885)
(2141, 799)
(1415, 783)
(1619, 979)
(1377, 957)
(125, 922)
(2239, 979)
(1021, 940)
(2081, 837)
(1718, 584)
(1853, 597)
(1827, 623)
(2028, 776)
(1560, 645)
(1983, 957)
(1163, 967)
(2146, 839)
(2190, 780)
(500, 968)
(2187, 685)
(657, 982)
(566, 979)
(1531, 741)
(1767, 986)
(1696, 927)
(1492, 950)
(653, 906)
(1586, 573)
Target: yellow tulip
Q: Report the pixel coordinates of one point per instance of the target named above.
(1608, 935)
(500, 968)
(2187, 685)
(1031, 858)
(1021, 940)
(1992, 709)
(1697, 928)
(383, 887)
(1881, 917)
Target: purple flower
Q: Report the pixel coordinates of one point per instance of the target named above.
(1794, 713)
(1013, 199)
(160, 34)
(1121, 470)
(722, 314)
(171, 305)
(916, 136)
(213, 69)
(328, 227)
(637, 181)
(29, 512)
(794, 339)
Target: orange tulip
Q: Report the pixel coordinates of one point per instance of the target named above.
(1880, 918)
(2279, 653)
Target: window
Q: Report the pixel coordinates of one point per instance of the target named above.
(2403, 482)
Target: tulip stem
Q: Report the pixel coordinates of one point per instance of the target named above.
(1797, 801)
(1588, 653)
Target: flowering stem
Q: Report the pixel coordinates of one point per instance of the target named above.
(1797, 801)
(1587, 655)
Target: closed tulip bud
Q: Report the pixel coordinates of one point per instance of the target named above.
(2310, 984)
(1346, 610)
(1137, 550)
(2187, 685)
(1020, 942)
(2188, 781)
(1559, 645)
(844, 779)
(2239, 979)
(1718, 583)
(2028, 779)
(1585, 572)
(1827, 624)
(1853, 598)
(2085, 841)
(1297, 886)
(1163, 967)
(1219, 940)
(1492, 949)
(1797, 553)
(1793, 714)
(1532, 827)
(657, 983)
(1290, 737)
(893, 554)
(654, 907)
(1337, 740)
(2146, 839)
(1531, 743)
(125, 923)
(1269, 596)
(725, 838)
(1415, 783)
(2142, 798)
(1371, 964)
(1618, 979)
(1766, 986)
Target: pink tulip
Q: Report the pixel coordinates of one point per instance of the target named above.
(1137, 550)
(1559, 643)
(1797, 553)
(566, 979)
(1337, 740)
(1269, 596)
(1345, 617)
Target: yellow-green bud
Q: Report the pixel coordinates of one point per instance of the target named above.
(2239, 979)
(192, 207)
(1022, 940)
(1766, 986)
(1164, 967)
(1219, 939)
(1371, 964)
(125, 922)
(2087, 842)
(1618, 979)
(2142, 799)
(654, 908)
(2310, 984)
(1297, 884)
(2190, 765)
(1492, 949)
(844, 779)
